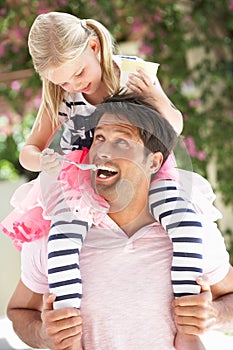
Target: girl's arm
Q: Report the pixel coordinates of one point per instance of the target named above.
(154, 94)
(41, 135)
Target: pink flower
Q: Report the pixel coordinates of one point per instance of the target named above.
(195, 103)
(2, 50)
(15, 48)
(158, 18)
(230, 5)
(28, 92)
(3, 11)
(17, 34)
(15, 85)
(65, 2)
(229, 114)
(37, 101)
(43, 8)
(42, 11)
(146, 50)
(190, 144)
(138, 27)
(8, 122)
(151, 35)
(201, 155)
(171, 89)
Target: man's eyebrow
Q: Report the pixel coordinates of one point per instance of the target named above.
(98, 128)
(119, 131)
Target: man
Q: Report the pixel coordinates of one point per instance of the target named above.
(126, 256)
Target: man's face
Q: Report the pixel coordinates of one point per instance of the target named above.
(124, 168)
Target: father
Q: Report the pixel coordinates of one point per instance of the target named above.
(126, 256)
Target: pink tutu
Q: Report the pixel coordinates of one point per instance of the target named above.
(28, 220)
(168, 170)
(25, 223)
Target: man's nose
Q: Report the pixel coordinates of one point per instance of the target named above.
(105, 151)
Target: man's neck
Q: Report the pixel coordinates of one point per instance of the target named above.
(132, 219)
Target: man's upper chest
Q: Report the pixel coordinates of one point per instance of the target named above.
(108, 256)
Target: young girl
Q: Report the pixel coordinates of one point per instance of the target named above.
(78, 69)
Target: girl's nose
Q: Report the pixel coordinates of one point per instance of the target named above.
(69, 88)
(73, 86)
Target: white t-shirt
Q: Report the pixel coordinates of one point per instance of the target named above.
(127, 292)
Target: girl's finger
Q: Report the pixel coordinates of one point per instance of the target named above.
(203, 282)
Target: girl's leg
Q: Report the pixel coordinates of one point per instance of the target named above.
(170, 206)
(64, 245)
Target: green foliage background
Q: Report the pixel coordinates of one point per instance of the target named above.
(192, 41)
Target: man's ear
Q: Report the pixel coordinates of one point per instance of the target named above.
(156, 162)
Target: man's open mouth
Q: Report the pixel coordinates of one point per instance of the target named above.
(104, 172)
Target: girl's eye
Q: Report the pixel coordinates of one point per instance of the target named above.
(79, 74)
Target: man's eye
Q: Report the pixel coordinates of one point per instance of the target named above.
(122, 142)
(99, 138)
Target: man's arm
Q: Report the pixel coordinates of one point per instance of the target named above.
(222, 293)
(38, 325)
(211, 309)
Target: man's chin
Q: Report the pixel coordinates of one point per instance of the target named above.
(117, 194)
(108, 195)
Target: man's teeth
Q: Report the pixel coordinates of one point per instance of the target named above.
(102, 176)
(104, 172)
(102, 167)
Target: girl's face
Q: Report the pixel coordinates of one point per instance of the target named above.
(82, 74)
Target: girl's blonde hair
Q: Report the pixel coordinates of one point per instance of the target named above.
(56, 38)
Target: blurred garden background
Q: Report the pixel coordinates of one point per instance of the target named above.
(193, 43)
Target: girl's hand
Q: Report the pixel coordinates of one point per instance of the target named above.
(62, 327)
(195, 314)
(153, 93)
(142, 84)
(49, 162)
